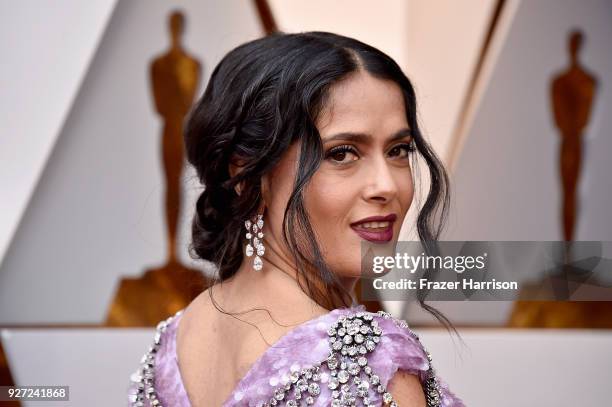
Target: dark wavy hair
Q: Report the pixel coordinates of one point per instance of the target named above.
(263, 96)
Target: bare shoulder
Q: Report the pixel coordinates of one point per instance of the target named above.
(205, 350)
(209, 340)
(197, 310)
(237, 338)
(194, 331)
(407, 389)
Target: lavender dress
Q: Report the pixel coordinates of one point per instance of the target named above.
(343, 358)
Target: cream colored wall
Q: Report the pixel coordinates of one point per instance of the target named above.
(381, 24)
(46, 51)
(96, 214)
(443, 44)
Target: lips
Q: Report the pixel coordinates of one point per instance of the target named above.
(375, 228)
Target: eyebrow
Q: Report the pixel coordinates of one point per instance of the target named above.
(364, 137)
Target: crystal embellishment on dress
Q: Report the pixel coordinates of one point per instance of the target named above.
(144, 377)
(351, 338)
(432, 387)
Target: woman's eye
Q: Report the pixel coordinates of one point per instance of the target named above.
(402, 150)
(342, 154)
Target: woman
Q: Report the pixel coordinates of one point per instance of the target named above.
(305, 144)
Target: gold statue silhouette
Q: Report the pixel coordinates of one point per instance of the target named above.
(572, 94)
(175, 76)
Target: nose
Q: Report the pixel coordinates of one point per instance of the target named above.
(381, 186)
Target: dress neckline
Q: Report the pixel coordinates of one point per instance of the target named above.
(355, 307)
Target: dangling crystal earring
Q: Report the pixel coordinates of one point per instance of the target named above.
(254, 235)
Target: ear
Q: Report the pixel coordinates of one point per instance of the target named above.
(236, 166)
(234, 169)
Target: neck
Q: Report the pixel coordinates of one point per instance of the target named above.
(275, 287)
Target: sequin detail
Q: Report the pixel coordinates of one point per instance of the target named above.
(144, 377)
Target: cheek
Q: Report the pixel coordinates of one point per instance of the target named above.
(329, 199)
(329, 203)
(405, 188)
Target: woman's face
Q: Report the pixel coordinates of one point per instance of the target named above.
(365, 173)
